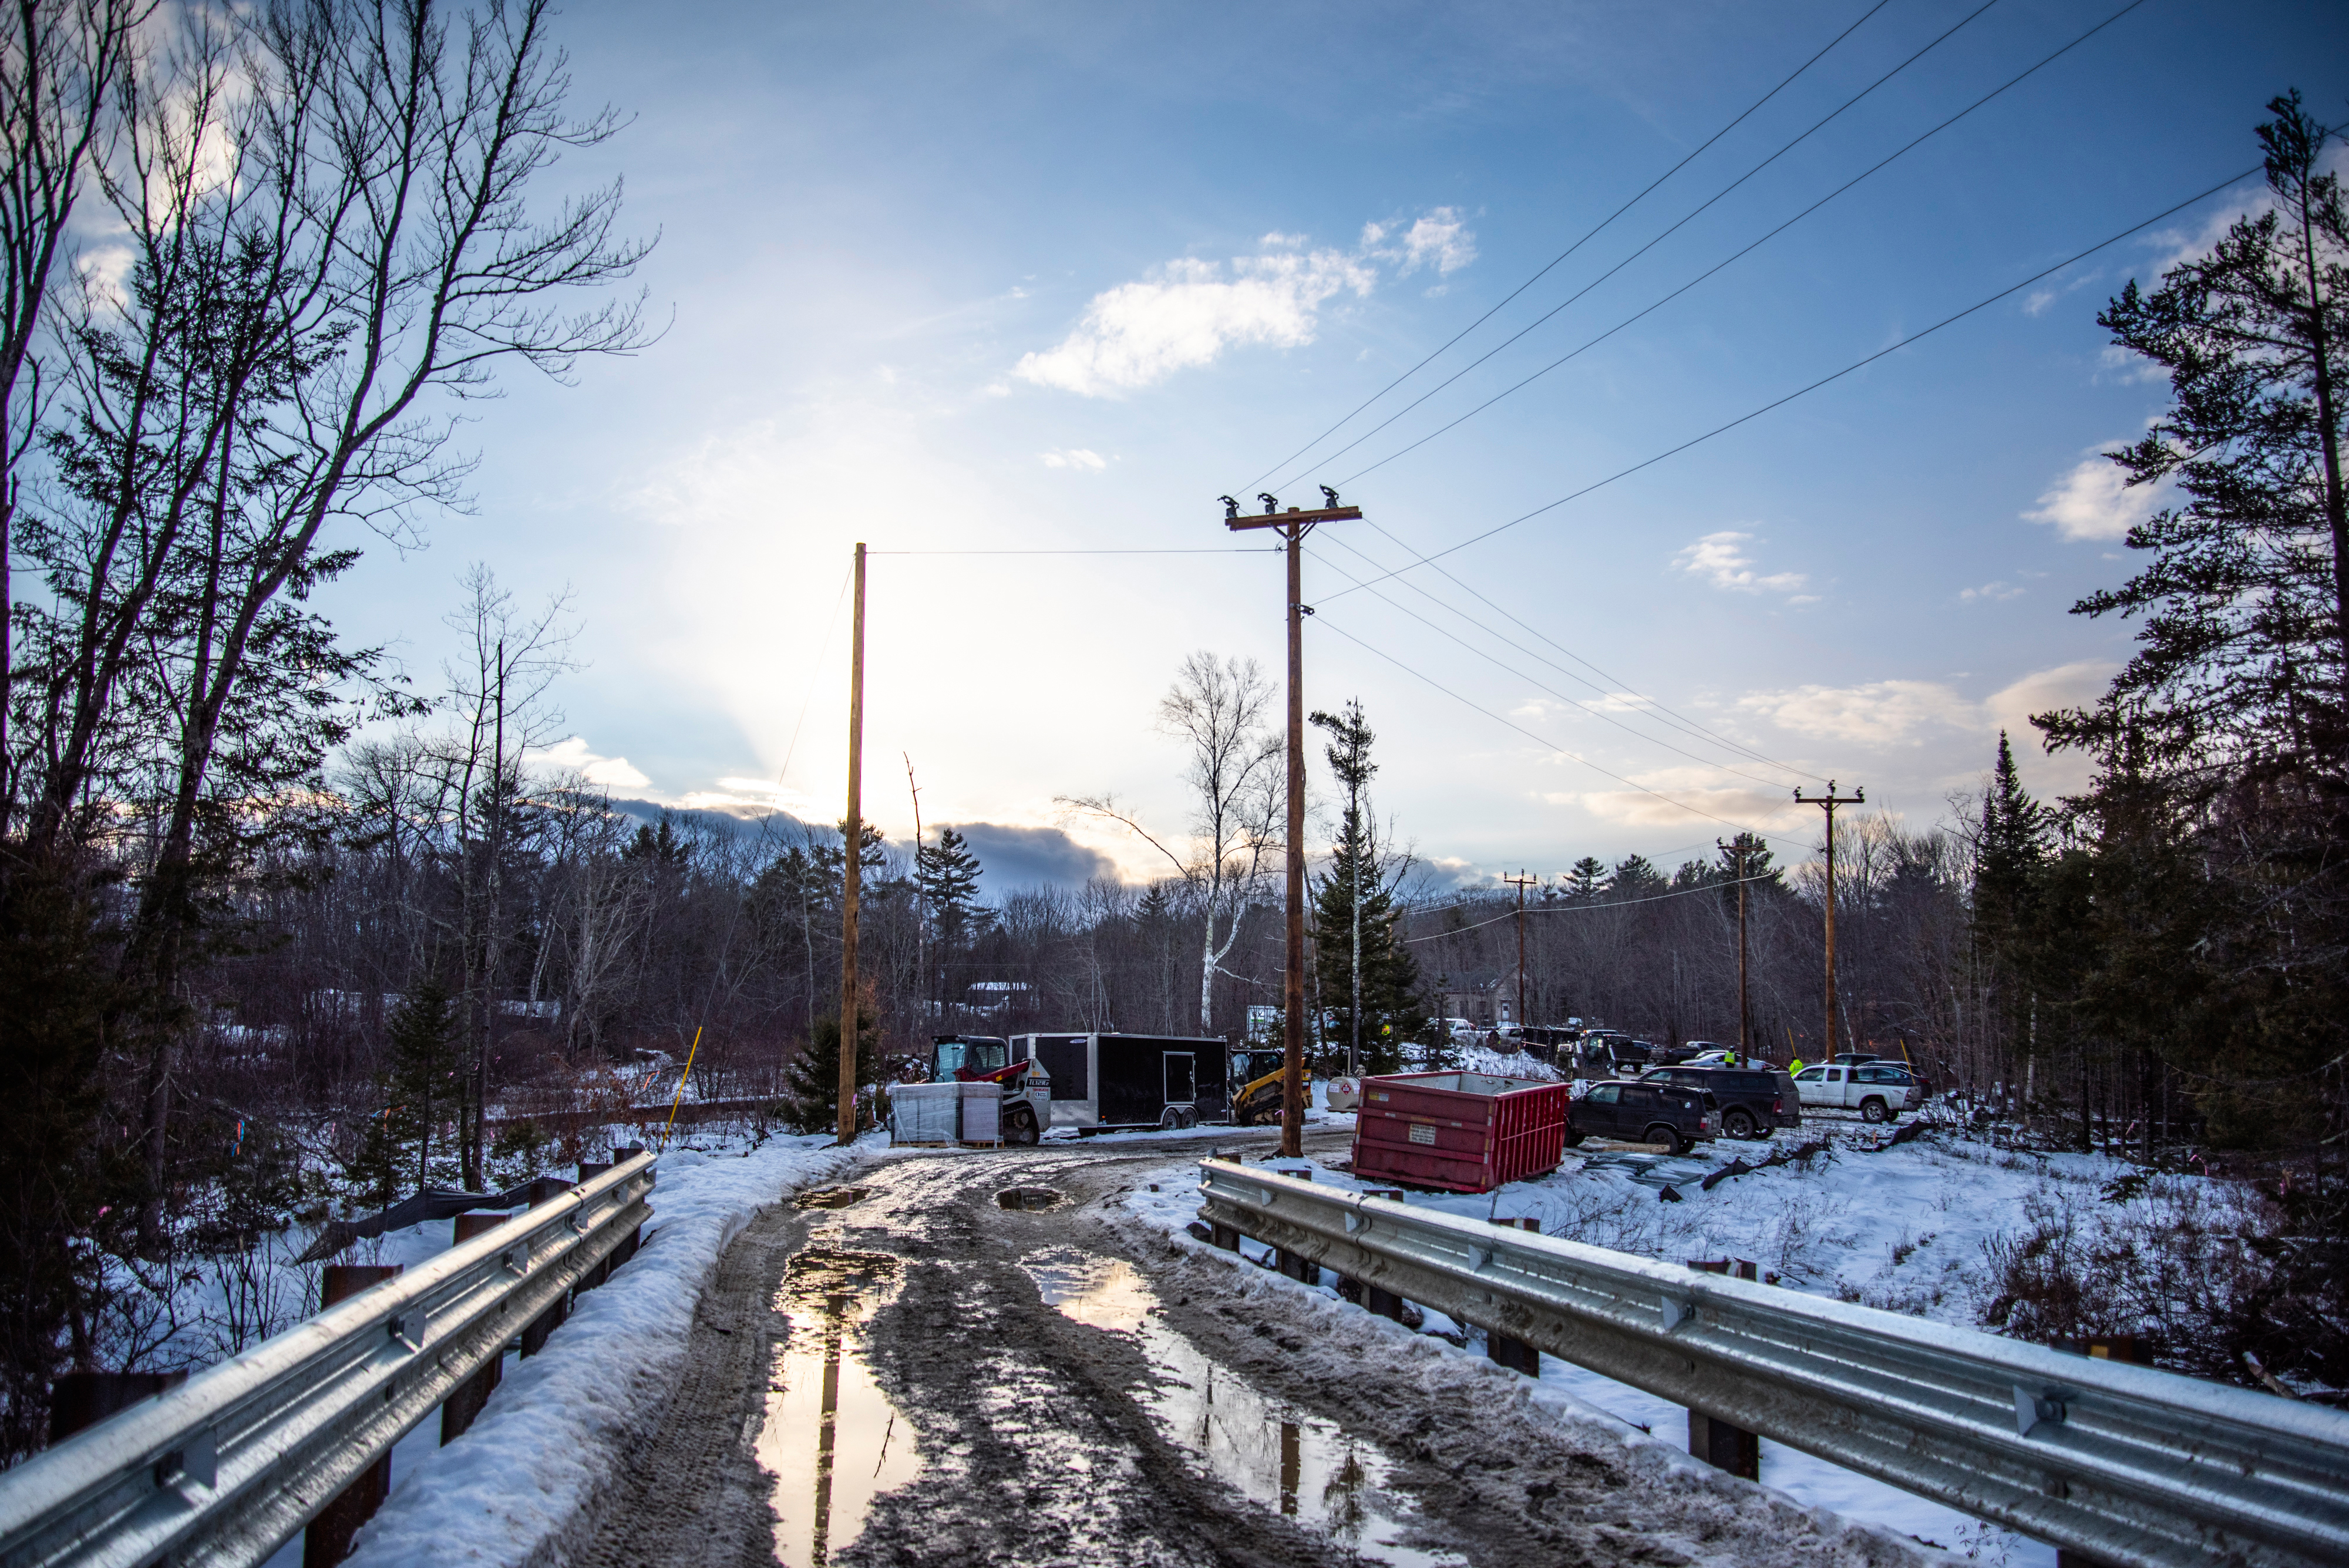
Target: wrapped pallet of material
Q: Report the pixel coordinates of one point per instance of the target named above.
(946, 1114)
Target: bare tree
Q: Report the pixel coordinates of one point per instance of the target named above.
(1218, 708)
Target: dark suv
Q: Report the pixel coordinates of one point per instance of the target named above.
(1747, 1101)
(1641, 1113)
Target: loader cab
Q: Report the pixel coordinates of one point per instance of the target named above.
(954, 1056)
(1247, 1066)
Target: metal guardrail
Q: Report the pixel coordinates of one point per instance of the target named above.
(2123, 1463)
(229, 1466)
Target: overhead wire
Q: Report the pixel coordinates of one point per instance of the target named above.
(1806, 390)
(1587, 236)
(1616, 688)
(1590, 908)
(1659, 304)
(1575, 702)
(1544, 741)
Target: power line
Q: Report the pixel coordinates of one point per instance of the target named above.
(1224, 550)
(1542, 740)
(1674, 228)
(1725, 262)
(1595, 712)
(1619, 688)
(1577, 908)
(1590, 236)
(1823, 380)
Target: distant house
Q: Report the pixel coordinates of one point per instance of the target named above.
(1481, 1000)
(997, 995)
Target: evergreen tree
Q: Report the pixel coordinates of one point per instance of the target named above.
(811, 1097)
(2009, 853)
(421, 1088)
(948, 873)
(1634, 876)
(1586, 880)
(1354, 902)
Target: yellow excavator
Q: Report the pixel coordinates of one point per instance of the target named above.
(1255, 1086)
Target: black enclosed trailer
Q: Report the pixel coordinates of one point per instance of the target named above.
(1103, 1083)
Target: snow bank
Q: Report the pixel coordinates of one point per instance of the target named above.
(558, 1425)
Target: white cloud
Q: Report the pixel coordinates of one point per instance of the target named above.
(2036, 301)
(1074, 457)
(611, 772)
(1138, 334)
(1442, 239)
(1992, 591)
(1720, 559)
(1674, 806)
(1908, 712)
(2094, 501)
(1889, 713)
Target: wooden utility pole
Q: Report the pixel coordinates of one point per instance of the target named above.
(921, 903)
(1829, 801)
(1293, 526)
(1521, 882)
(1736, 850)
(852, 864)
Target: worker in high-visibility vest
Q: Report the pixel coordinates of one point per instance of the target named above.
(1798, 1066)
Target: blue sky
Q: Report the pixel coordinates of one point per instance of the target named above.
(1020, 276)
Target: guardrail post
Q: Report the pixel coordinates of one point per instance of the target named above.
(635, 1238)
(1514, 1354)
(79, 1399)
(546, 1189)
(1297, 1265)
(457, 1411)
(1724, 1446)
(326, 1540)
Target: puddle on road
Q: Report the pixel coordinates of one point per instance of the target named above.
(1304, 1468)
(832, 1440)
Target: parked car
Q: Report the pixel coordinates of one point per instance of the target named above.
(1641, 1113)
(1879, 1091)
(1746, 1102)
(1717, 1057)
(1544, 1041)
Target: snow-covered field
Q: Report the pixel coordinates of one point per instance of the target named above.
(1904, 1229)
(561, 1422)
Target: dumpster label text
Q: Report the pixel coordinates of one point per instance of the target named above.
(1423, 1132)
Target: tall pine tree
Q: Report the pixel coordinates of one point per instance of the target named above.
(1354, 911)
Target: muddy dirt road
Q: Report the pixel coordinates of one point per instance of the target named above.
(961, 1359)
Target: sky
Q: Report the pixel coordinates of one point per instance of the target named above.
(968, 282)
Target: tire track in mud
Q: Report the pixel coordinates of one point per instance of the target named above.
(1035, 1450)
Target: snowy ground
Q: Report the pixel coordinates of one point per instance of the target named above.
(1903, 1228)
(561, 1422)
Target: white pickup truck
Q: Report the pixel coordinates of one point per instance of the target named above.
(1879, 1091)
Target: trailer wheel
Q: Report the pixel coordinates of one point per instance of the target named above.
(1019, 1126)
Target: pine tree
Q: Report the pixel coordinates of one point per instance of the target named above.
(1360, 874)
(420, 1087)
(810, 1101)
(948, 873)
(2008, 855)
(1634, 876)
(1586, 880)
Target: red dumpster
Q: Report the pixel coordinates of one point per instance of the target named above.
(1467, 1132)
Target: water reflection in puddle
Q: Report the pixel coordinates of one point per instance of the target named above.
(832, 1440)
(1308, 1470)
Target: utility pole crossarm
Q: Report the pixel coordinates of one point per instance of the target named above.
(1242, 520)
